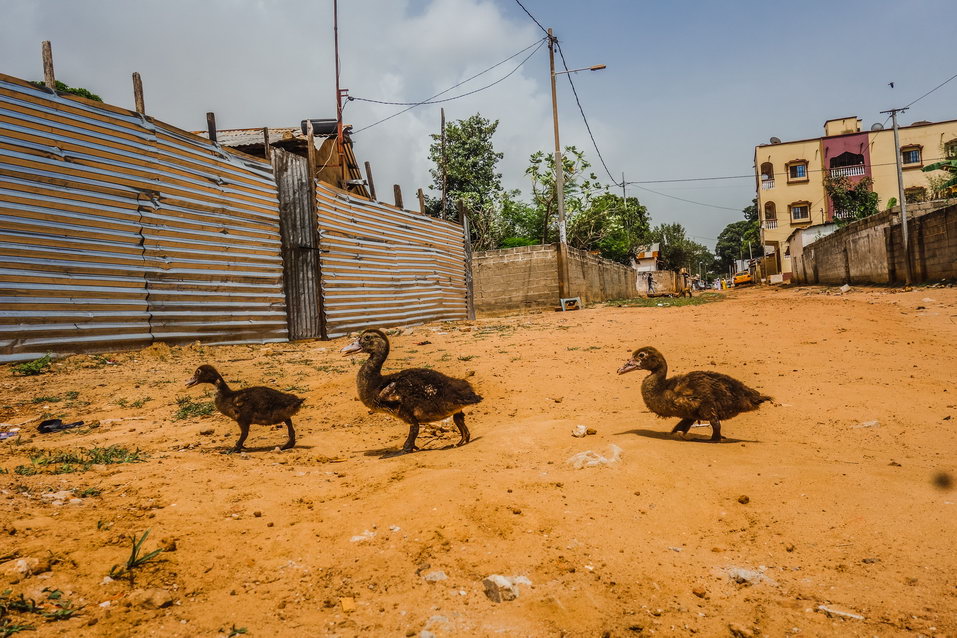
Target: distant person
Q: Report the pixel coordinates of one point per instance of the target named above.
(651, 283)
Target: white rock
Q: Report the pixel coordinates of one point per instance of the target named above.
(434, 577)
(502, 588)
(579, 432)
(589, 458)
(364, 536)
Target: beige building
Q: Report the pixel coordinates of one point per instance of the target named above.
(790, 175)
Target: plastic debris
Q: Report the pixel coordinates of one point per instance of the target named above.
(590, 458)
(364, 536)
(56, 425)
(830, 611)
(867, 424)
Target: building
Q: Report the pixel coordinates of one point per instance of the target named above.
(790, 175)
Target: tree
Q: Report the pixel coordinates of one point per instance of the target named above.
(612, 225)
(61, 87)
(944, 185)
(851, 201)
(739, 239)
(579, 187)
(470, 161)
(677, 250)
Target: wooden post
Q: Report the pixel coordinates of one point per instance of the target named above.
(421, 196)
(311, 149)
(211, 126)
(445, 179)
(469, 281)
(266, 142)
(397, 191)
(138, 94)
(48, 76)
(369, 179)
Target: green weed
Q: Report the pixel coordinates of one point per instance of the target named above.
(467, 357)
(666, 302)
(135, 560)
(54, 609)
(237, 631)
(189, 408)
(35, 367)
(329, 368)
(89, 491)
(139, 403)
(68, 462)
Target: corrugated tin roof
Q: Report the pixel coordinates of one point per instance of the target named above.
(253, 136)
(650, 251)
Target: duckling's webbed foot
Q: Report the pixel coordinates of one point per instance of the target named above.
(684, 425)
(243, 433)
(459, 419)
(715, 431)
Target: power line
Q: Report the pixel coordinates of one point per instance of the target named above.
(689, 201)
(428, 100)
(532, 17)
(690, 179)
(931, 91)
(582, 111)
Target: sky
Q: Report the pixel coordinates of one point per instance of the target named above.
(690, 87)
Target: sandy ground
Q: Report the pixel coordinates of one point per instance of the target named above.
(330, 540)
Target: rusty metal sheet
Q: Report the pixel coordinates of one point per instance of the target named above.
(117, 230)
(382, 266)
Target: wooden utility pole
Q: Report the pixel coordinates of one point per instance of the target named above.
(908, 275)
(138, 94)
(563, 276)
(49, 78)
(211, 126)
(421, 196)
(445, 182)
(311, 151)
(340, 145)
(369, 179)
(266, 147)
(397, 192)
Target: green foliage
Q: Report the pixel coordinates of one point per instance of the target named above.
(53, 609)
(739, 240)
(667, 302)
(62, 87)
(579, 188)
(470, 162)
(135, 560)
(677, 250)
(68, 462)
(856, 201)
(891, 203)
(237, 631)
(515, 242)
(189, 408)
(612, 225)
(948, 184)
(33, 368)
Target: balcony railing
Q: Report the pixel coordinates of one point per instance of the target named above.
(847, 171)
(766, 184)
(842, 214)
(769, 224)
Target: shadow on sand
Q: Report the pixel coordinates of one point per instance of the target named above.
(390, 452)
(668, 436)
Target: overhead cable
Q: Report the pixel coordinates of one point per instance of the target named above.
(429, 100)
(532, 17)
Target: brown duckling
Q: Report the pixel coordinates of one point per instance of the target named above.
(416, 395)
(259, 405)
(696, 396)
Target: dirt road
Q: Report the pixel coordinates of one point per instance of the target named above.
(847, 509)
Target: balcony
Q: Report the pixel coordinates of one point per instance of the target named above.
(842, 214)
(847, 171)
(769, 224)
(767, 184)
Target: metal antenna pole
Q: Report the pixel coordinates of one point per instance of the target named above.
(900, 191)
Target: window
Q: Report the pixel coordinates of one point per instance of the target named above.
(801, 212)
(767, 175)
(910, 154)
(797, 171)
(770, 212)
(950, 149)
(915, 195)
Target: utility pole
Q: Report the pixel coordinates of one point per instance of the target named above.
(900, 191)
(340, 148)
(563, 276)
(445, 182)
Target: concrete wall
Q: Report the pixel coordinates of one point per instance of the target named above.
(872, 251)
(526, 278)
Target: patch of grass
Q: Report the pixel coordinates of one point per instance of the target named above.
(71, 395)
(665, 302)
(88, 491)
(294, 388)
(139, 403)
(53, 609)
(467, 357)
(189, 408)
(135, 560)
(35, 367)
(329, 368)
(237, 631)
(68, 462)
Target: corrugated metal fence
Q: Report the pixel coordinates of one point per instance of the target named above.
(117, 230)
(384, 266)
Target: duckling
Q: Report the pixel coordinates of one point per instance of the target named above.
(259, 405)
(416, 395)
(696, 396)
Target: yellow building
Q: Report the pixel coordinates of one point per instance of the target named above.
(790, 175)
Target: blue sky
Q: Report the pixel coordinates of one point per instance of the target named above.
(689, 90)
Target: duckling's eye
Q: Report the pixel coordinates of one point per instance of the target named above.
(641, 355)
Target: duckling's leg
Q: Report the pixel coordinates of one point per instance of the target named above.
(715, 431)
(683, 426)
(243, 433)
(409, 445)
(292, 435)
(459, 419)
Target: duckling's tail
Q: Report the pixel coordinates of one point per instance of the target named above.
(471, 398)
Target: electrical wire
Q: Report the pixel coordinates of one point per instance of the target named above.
(931, 91)
(532, 17)
(614, 181)
(689, 201)
(431, 100)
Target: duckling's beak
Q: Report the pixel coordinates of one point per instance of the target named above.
(629, 366)
(192, 382)
(352, 347)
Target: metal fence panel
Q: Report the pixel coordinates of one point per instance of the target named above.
(117, 229)
(384, 266)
